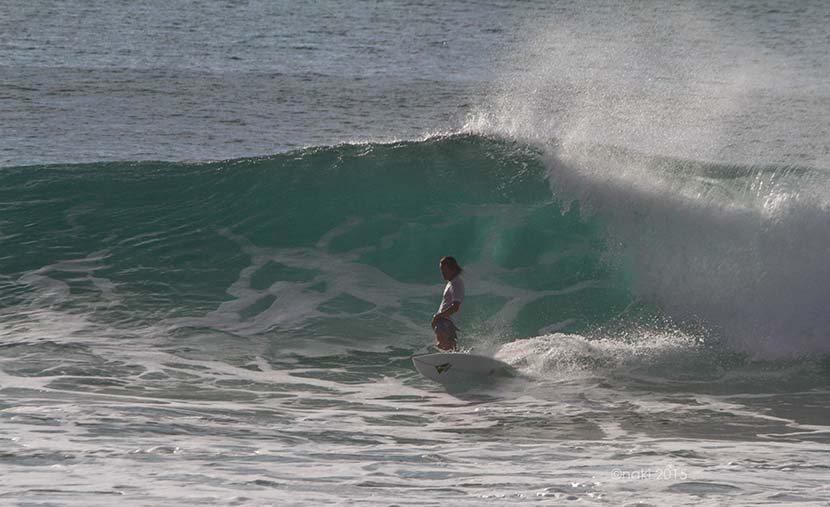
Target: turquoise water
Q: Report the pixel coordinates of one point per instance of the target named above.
(221, 226)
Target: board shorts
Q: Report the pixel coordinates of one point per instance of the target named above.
(446, 326)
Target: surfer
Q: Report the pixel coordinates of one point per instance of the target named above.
(442, 323)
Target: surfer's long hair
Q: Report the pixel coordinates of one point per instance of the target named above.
(451, 263)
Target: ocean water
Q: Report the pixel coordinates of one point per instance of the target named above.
(221, 223)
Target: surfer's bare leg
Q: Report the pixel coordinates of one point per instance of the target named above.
(446, 340)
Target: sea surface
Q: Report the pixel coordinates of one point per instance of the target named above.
(221, 223)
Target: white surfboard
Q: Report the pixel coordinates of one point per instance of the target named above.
(450, 368)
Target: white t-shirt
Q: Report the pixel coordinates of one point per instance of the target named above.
(453, 293)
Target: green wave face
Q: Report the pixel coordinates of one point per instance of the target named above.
(329, 244)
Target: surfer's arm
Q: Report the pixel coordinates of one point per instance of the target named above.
(446, 313)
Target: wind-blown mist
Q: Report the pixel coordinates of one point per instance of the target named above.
(697, 148)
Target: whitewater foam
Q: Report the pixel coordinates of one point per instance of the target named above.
(569, 356)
